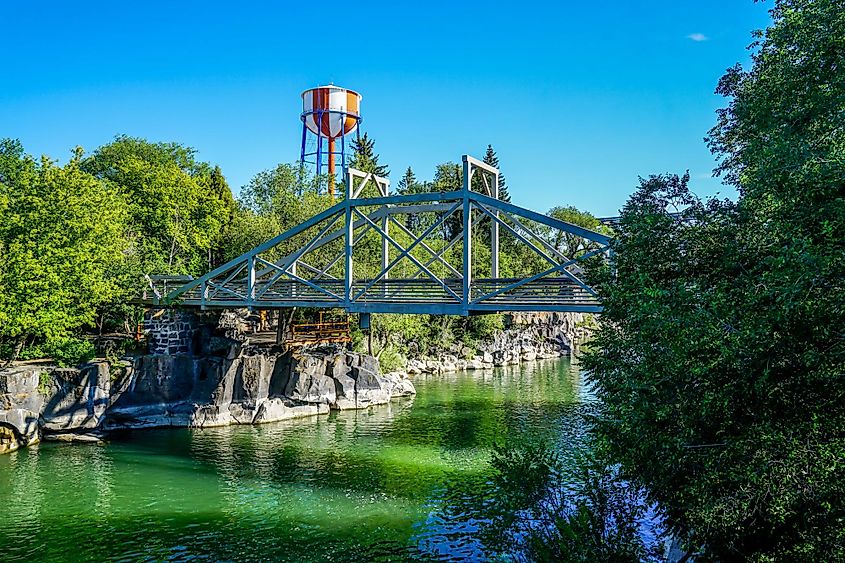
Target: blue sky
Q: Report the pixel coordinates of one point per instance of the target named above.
(577, 98)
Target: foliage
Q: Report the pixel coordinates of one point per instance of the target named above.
(70, 351)
(492, 159)
(365, 158)
(568, 244)
(391, 360)
(62, 246)
(720, 354)
(178, 206)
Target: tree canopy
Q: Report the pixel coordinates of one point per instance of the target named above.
(720, 355)
(61, 245)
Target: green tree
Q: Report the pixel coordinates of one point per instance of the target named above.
(568, 244)
(365, 158)
(491, 158)
(448, 177)
(61, 245)
(720, 353)
(408, 183)
(216, 182)
(178, 206)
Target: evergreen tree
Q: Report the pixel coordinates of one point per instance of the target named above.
(365, 158)
(408, 183)
(449, 178)
(492, 159)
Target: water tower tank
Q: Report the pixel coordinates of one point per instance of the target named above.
(331, 111)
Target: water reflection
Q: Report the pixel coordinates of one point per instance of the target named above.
(402, 480)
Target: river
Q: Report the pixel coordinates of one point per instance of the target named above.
(386, 483)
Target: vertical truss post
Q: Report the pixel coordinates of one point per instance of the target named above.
(385, 252)
(494, 233)
(347, 295)
(250, 281)
(467, 269)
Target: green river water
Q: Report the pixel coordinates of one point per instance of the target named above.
(387, 483)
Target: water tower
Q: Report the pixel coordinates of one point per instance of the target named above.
(330, 113)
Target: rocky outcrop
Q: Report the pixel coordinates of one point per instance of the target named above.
(228, 384)
(20, 405)
(527, 337)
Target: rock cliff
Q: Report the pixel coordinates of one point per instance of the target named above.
(235, 385)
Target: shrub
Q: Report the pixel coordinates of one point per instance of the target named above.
(70, 351)
(391, 360)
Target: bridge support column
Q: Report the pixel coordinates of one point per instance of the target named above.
(365, 323)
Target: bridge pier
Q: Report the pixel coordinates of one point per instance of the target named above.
(365, 323)
(170, 331)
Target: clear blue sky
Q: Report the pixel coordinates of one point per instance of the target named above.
(578, 98)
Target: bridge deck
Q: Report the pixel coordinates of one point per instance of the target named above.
(402, 295)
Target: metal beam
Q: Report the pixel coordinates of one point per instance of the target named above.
(540, 218)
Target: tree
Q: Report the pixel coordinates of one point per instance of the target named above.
(448, 177)
(177, 205)
(492, 159)
(217, 184)
(408, 183)
(61, 243)
(719, 356)
(365, 158)
(568, 244)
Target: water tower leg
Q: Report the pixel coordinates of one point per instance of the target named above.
(331, 169)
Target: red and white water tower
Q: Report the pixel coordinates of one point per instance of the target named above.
(330, 113)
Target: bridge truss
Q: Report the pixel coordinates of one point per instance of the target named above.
(432, 252)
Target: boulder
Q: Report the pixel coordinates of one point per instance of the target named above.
(399, 384)
(311, 388)
(18, 429)
(276, 409)
(370, 388)
(78, 398)
(475, 363)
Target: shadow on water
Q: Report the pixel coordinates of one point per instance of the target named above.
(403, 481)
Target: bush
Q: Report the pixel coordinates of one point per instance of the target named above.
(70, 351)
(391, 360)
(34, 352)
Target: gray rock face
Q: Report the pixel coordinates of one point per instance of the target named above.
(18, 429)
(76, 398)
(20, 407)
(527, 337)
(183, 390)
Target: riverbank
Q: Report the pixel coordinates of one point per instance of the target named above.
(242, 386)
(217, 378)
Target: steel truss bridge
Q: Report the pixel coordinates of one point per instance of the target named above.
(437, 253)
